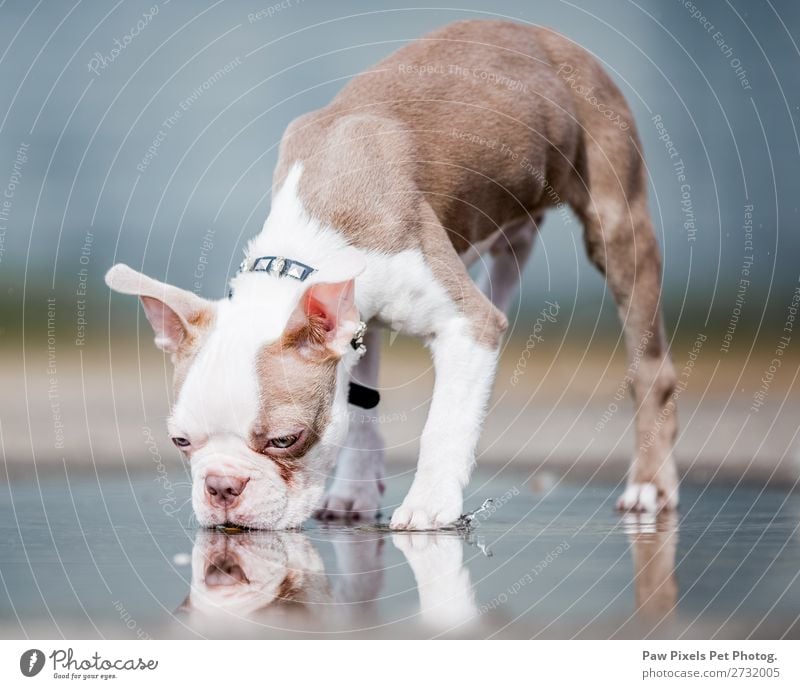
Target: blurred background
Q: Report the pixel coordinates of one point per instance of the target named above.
(147, 132)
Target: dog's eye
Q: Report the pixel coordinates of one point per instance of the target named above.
(284, 441)
(181, 442)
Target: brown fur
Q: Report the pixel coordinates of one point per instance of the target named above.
(289, 591)
(297, 388)
(655, 583)
(387, 164)
(423, 152)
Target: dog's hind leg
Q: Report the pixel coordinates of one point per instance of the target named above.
(620, 241)
(507, 258)
(357, 486)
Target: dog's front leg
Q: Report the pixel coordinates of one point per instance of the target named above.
(464, 370)
(355, 492)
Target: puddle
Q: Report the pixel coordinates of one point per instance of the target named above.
(104, 558)
(464, 524)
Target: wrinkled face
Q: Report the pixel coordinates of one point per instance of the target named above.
(258, 414)
(257, 423)
(260, 392)
(251, 573)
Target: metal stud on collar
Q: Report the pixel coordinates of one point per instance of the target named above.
(357, 343)
(277, 266)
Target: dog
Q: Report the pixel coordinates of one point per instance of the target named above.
(450, 149)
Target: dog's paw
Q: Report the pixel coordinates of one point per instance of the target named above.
(446, 598)
(428, 509)
(431, 553)
(431, 556)
(646, 497)
(355, 493)
(351, 501)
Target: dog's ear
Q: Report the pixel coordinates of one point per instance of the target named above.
(185, 607)
(325, 320)
(174, 313)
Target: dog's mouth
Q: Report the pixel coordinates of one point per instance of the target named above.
(231, 528)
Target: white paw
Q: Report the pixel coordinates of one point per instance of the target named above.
(355, 493)
(646, 497)
(360, 564)
(430, 553)
(427, 508)
(351, 500)
(446, 598)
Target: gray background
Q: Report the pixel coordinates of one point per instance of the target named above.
(87, 132)
(102, 402)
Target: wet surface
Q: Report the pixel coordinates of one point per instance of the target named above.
(117, 557)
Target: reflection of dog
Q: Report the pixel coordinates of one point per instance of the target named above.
(271, 576)
(413, 171)
(446, 598)
(266, 575)
(250, 574)
(654, 541)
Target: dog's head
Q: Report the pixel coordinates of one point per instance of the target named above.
(260, 387)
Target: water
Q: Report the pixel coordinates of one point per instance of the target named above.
(110, 557)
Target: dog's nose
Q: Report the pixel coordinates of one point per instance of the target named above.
(225, 572)
(223, 491)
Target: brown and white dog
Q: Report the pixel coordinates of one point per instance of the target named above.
(450, 148)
